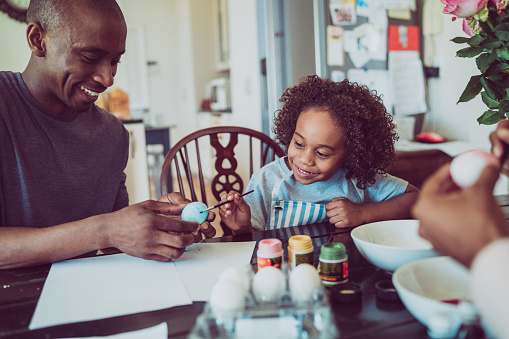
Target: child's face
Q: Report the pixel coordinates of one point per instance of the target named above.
(317, 148)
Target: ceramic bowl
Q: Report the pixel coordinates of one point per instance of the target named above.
(392, 243)
(431, 287)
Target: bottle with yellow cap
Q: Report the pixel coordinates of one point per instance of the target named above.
(300, 250)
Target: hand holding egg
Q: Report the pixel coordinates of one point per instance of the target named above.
(467, 167)
(193, 212)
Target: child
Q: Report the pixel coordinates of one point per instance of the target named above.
(339, 140)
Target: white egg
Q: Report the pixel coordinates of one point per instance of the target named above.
(193, 212)
(236, 275)
(268, 284)
(467, 167)
(304, 279)
(227, 296)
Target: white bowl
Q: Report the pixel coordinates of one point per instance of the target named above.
(392, 243)
(423, 285)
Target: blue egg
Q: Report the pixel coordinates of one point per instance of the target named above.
(192, 212)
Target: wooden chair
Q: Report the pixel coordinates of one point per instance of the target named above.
(191, 159)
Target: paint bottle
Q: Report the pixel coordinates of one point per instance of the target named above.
(333, 266)
(270, 253)
(300, 250)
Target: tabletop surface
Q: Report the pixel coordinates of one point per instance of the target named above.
(372, 317)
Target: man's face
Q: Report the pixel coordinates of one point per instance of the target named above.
(81, 61)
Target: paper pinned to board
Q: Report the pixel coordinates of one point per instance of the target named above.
(408, 82)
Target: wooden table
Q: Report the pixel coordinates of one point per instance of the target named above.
(371, 318)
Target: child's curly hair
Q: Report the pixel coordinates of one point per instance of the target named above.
(369, 129)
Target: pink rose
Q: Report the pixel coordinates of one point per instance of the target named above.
(500, 5)
(464, 8)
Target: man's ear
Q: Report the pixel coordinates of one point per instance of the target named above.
(36, 39)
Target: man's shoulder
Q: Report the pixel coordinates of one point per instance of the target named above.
(7, 78)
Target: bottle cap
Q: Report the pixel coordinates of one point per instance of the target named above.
(269, 248)
(300, 243)
(333, 251)
(346, 293)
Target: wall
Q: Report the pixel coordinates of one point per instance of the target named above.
(175, 92)
(14, 54)
(454, 121)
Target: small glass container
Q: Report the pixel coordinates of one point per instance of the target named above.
(300, 250)
(333, 266)
(270, 253)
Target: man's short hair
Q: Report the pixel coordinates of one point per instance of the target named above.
(55, 14)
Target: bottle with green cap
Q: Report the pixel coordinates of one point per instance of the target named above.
(333, 266)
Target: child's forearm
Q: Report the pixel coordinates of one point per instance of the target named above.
(398, 207)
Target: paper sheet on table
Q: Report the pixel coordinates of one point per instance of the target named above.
(107, 286)
(202, 263)
(155, 332)
(408, 82)
(375, 79)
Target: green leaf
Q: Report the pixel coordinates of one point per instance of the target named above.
(496, 69)
(476, 40)
(502, 31)
(493, 90)
(490, 102)
(482, 62)
(473, 88)
(469, 52)
(503, 108)
(503, 54)
(490, 44)
(493, 57)
(460, 40)
(490, 118)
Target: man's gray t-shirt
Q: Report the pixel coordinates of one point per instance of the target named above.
(321, 192)
(56, 169)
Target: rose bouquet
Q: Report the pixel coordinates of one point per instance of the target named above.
(487, 24)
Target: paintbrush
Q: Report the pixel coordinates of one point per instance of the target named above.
(224, 202)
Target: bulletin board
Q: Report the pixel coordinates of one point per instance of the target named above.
(361, 46)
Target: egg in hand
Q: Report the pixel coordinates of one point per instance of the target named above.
(194, 212)
(467, 167)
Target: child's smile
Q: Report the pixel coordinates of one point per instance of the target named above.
(317, 148)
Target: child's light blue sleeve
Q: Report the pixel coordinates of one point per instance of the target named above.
(259, 201)
(385, 187)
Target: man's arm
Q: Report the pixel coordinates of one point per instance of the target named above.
(140, 230)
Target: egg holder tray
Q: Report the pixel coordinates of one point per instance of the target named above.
(284, 318)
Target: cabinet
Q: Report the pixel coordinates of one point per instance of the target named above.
(136, 169)
(145, 161)
(158, 145)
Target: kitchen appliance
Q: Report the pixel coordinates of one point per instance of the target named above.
(218, 91)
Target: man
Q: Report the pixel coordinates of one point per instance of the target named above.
(468, 225)
(62, 185)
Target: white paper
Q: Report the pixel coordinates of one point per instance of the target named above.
(363, 7)
(376, 79)
(399, 4)
(155, 332)
(202, 263)
(408, 82)
(335, 53)
(107, 286)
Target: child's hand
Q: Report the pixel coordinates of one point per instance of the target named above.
(236, 214)
(343, 213)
